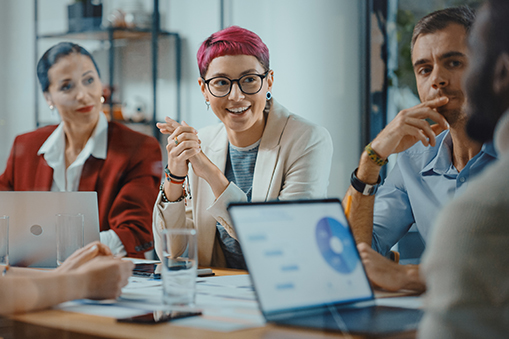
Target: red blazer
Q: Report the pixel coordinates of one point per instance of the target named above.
(126, 181)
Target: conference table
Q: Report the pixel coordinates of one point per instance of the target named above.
(54, 323)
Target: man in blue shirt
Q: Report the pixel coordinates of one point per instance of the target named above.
(435, 162)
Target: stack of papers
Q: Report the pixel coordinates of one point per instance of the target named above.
(228, 303)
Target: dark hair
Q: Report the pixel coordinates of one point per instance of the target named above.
(485, 107)
(498, 27)
(439, 20)
(52, 55)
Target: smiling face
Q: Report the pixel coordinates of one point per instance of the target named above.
(75, 89)
(439, 60)
(242, 114)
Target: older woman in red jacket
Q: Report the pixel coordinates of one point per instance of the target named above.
(85, 152)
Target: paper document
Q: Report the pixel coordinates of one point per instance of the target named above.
(228, 303)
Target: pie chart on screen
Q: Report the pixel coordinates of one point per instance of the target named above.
(336, 245)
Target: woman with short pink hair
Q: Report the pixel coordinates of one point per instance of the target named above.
(258, 152)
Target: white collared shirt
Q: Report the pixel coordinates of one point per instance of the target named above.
(68, 180)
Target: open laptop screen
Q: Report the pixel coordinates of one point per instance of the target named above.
(300, 254)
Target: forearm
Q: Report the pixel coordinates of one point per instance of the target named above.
(173, 191)
(216, 180)
(360, 215)
(205, 169)
(368, 171)
(23, 294)
(168, 216)
(27, 272)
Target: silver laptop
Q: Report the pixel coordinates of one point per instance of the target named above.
(32, 231)
(306, 270)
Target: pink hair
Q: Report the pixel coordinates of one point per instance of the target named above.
(233, 40)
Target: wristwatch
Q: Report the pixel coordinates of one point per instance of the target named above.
(362, 187)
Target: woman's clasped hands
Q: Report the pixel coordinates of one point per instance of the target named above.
(184, 148)
(183, 144)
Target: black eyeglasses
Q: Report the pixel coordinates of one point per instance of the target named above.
(248, 84)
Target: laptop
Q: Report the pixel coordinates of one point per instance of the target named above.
(306, 270)
(32, 230)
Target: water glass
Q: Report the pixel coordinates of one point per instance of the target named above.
(70, 236)
(4, 241)
(179, 268)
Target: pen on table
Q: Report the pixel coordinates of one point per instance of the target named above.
(348, 206)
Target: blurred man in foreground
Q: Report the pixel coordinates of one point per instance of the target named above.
(466, 264)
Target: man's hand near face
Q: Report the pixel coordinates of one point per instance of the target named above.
(409, 127)
(405, 130)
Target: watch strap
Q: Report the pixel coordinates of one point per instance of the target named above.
(362, 187)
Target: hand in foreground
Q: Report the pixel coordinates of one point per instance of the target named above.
(386, 274)
(183, 144)
(105, 276)
(83, 255)
(409, 127)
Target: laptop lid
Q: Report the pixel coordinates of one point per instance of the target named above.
(32, 231)
(300, 254)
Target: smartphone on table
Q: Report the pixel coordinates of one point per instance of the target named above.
(147, 270)
(153, 271)
(158, 317)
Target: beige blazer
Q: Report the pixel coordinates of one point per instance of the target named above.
(293, 162)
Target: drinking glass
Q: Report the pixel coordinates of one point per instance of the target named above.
(179, 267)
(70, 235)
(4, 242)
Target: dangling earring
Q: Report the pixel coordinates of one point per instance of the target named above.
(268, 95)
(208, 104)
(102, 100)
(51, 107)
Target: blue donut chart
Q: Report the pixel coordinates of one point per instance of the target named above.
(329, 230)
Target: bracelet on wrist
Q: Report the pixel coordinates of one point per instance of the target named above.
(186, 190)
(374, 156)
(170, 176)
(180, 182)
(165, 199)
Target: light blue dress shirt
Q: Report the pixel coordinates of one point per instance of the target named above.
(422, 182)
